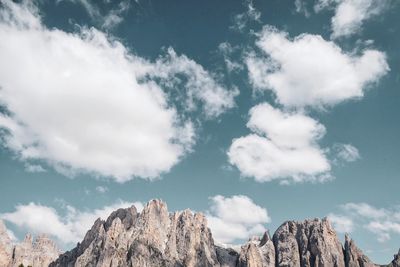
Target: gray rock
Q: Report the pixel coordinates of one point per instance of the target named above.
(309, 243)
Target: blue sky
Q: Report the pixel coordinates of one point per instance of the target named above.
(251, 112)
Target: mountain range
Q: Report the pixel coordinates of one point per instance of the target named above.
(155, 237)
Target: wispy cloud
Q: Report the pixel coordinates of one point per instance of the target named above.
(381, 221)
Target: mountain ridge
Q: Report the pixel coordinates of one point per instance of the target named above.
(156, 237)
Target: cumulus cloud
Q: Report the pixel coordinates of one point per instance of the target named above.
(384, 223)
(310, 71)
(83, 102)
(236, 217)
(351, 14)
(283, 146)
(69, 228)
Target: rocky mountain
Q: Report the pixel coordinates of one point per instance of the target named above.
(155, 237)
(38, 253)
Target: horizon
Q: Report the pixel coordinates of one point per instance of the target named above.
(252, 112)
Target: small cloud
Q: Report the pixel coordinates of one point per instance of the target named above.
(283, 146)
(350, 15)
(346, 152)
(235, 218)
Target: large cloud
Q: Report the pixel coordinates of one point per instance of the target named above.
(351, 14)
(234, 218)
(69, 228)
(283, 146)
(82, 102)
(310, 71)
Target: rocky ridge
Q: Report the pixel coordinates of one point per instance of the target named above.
(155, 237)
(35, 253)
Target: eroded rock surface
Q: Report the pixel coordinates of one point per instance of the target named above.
(311, 243)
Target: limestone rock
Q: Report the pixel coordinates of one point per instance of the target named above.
(309, 243)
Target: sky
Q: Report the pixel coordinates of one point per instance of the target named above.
(252, 112)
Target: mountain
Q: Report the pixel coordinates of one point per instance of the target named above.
(38, 253)
(155, 237)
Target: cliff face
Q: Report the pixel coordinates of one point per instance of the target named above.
(155, 237)
(38, 253)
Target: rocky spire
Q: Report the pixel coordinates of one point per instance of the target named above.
(353, 255)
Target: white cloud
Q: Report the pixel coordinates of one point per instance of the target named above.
(346, 152)
(283, 147)
(351, 14)
(384, 223)
(69, 228)
(310, 71)
(81, 102)
(236, 217)
(342, 224)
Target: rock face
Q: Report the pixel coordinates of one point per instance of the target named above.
(39, 253)
(312, 243)
(155, 237)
